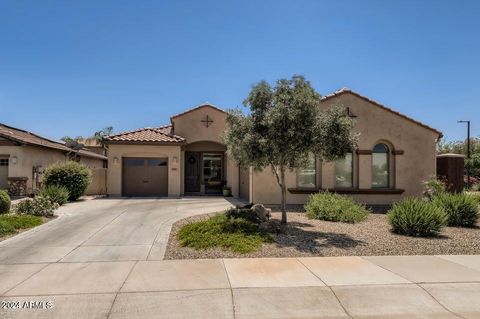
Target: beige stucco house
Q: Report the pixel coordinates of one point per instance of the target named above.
(395, 154)
(24, 155)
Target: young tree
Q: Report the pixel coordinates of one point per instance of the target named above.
(284, 126)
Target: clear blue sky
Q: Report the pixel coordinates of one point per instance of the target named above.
(73, 67)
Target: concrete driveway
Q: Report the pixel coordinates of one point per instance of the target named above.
(106, 230)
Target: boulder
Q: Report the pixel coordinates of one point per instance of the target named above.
(262, 212)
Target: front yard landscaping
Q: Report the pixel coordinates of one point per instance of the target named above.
(63, 182)
(11, 224)
(236, 234)
(312, 237)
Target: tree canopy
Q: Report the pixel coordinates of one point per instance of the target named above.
(284, 126)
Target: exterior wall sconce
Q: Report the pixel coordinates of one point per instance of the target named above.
(175, 163)
(14, 160)
(115, 160)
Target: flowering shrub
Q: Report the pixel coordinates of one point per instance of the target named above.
(433, 187)
(38, 206)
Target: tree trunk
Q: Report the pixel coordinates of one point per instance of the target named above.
(284, 196)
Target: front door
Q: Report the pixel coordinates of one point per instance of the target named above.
(213, 172)
(192, 172)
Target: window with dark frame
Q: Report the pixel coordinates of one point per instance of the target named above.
(344, 172)
(307, 176)
(380, 166)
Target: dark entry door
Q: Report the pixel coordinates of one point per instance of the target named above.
(192, 172)
(145, 176)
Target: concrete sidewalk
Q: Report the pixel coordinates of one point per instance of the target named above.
(323, 287)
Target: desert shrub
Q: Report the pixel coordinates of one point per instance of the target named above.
(433, 187)
(74, 176)
(38, 206)
(236, 234)
(475, 196)
(461, 209)
(57, 194)
(416, 217)
(245, 213)
(334, 207)
(5, 202)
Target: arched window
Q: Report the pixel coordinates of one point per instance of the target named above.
(380, 166)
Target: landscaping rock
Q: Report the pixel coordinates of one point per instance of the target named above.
(262, 212)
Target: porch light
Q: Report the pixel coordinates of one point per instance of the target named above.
(115, 160)
(14, 160)
(175, 160)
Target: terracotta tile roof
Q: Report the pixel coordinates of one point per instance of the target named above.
(206, 104)
(162, 134)
(347, 90)
(26, 137)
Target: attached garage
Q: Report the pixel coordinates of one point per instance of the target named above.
(145, 176)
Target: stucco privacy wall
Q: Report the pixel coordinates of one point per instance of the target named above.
(117, 151)
(375, 124)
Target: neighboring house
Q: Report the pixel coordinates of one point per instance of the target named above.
(93, 145)
(24, 156)
(395, 154)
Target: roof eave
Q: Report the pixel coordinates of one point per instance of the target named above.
(146, 143)
(196, 108)
(345, 90)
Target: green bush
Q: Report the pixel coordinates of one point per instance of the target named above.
(334, 207)
(475, 196)
(416, 217)
(57, 194)
(9, 223)
(236, 234)
(38, 206)
(244, 213)
(74, 176)
(461, 209)
(5, 202)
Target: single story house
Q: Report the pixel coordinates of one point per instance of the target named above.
(24, 155)
(187, 157)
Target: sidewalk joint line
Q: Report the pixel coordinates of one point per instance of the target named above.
(438, 302)
(120, 289)
(418, 285)
(330, 288)
(21, 282)
(230, 284)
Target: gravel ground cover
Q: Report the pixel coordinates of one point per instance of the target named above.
(306, 237)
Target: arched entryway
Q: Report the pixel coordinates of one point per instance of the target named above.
(204, 168)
